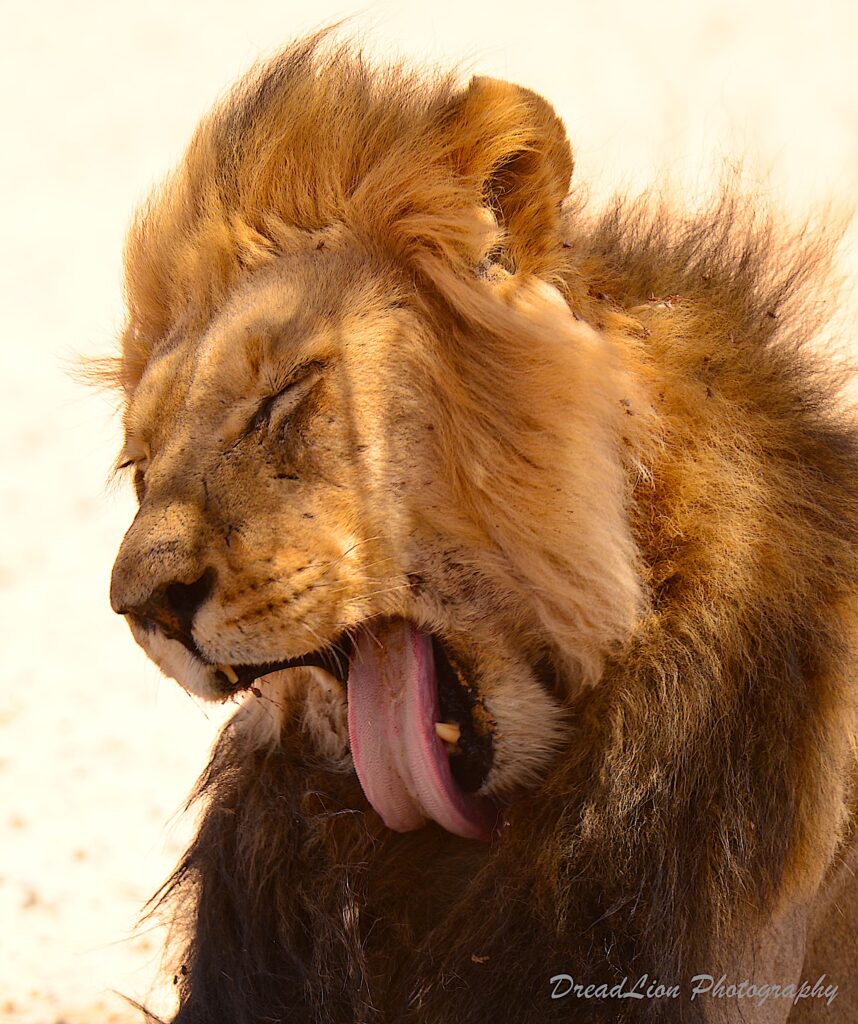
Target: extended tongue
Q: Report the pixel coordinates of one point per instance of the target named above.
(400, 761)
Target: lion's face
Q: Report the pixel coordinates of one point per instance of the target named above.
(294, 507)
(343, 469)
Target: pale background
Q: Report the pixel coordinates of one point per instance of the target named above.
(98, 99)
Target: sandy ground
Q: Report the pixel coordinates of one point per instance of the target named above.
(97, 752)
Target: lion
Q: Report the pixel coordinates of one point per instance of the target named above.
(525, 538)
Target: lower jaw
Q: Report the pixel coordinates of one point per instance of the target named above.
(311, 709)
(401, 762)
(458, 705)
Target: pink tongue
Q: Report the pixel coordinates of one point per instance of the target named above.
(400, 761)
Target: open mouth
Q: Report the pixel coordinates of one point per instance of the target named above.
(421, 737)
(334, 659)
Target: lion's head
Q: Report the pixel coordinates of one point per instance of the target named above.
(368, 435)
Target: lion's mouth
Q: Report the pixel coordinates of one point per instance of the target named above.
(334, 659)
(421, 737)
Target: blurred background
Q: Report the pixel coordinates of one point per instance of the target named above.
(98, 99)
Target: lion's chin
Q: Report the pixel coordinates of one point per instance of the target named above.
(175, 660)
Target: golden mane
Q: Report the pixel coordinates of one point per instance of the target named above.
(317, 138)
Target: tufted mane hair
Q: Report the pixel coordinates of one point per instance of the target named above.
(317, 137)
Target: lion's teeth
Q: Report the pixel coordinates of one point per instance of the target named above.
(448, 732)
(229, 672)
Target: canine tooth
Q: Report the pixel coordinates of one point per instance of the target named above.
(448, 732)
(229, 672)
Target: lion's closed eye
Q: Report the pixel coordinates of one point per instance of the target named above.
(275, 409)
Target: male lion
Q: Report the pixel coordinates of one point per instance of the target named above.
(530, 539)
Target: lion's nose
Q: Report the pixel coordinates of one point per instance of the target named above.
(171, 606)
(161, 575)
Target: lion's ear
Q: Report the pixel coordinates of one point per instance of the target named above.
(510, 142)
